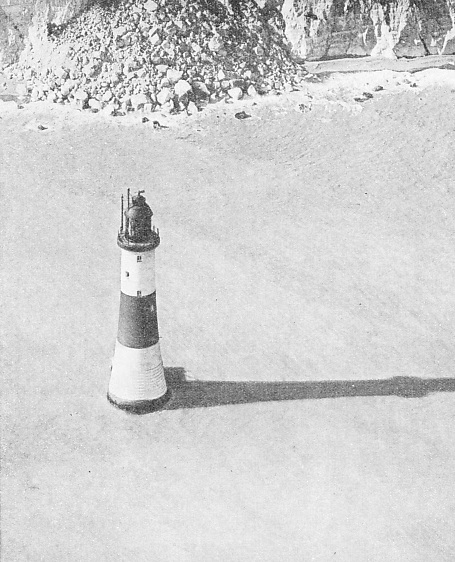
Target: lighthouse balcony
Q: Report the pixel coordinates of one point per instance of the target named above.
(138, 243)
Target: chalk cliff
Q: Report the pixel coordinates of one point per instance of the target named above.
(392, 28)
(315, 28)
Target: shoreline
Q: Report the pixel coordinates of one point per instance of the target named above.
(346, 83)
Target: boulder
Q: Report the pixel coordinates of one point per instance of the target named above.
(252, 91)
(95, 104)
(192, 108)
(36, 94)
(65, 89)
(61, 73)
(154, 39)
(174, 75)
(138, 100)
(235, 93)
(151, 6)
(164, 96)
(80, 95)
(21, 89)
(216, 44)
(182, 88)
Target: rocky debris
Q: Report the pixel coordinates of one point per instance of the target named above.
(365, 96)
(305, 105)
(168, 55)
(303, 108)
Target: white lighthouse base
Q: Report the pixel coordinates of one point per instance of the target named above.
(137, 378)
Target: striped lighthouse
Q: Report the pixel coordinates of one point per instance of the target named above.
(137, 380)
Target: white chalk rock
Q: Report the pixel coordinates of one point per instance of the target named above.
(192, 108)
(252, 91)
(259, 51)
(61, 73)
(89, 70)
(162, 68)
(36, 94)
(109, 109)
(173, 75)
(168, 107)
(107, 96)
(80, 95)
(21, 89)
(182, 88)
(216, 44)
(138, 99)
(114, 78)
(65, 88)
(119, 31)
(164, 96)
(95, 104)
(151, 6)
(235, 93)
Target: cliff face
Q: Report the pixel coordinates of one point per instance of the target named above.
(315, 28)
(329, 28)
(23, 24)
(11, 38)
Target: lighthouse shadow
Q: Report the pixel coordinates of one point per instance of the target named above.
(205, 394)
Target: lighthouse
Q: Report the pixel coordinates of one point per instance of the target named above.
(137, 381)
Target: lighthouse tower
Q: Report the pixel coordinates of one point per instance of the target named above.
(137, 380)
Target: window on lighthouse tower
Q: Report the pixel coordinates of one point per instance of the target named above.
(139, 258)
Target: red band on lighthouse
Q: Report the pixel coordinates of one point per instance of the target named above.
(138, 323)
(137, 380)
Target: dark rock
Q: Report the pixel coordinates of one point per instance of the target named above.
(242, 115)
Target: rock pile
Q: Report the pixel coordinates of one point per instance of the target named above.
(171, 55)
